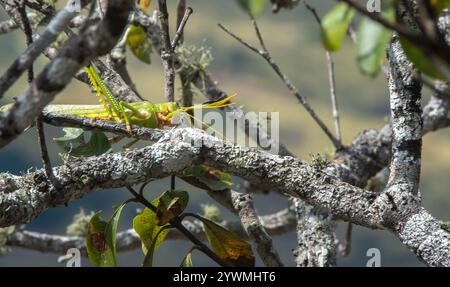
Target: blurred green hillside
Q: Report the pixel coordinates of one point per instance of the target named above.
(293, 38)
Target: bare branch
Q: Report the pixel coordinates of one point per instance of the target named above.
(180, 31)
(49, 35)
(266, 55)
(315, 237)
(243, 203)
(167, 54)
(331, 79)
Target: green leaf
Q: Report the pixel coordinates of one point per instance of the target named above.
(153, 228)
(254, 7)
(74, 144)
(71, 136)
(208, 178)
(440, 5)
(148, 260)
(139, 43)
(372, 42)
(144, 5)
(98, 250)
(145, 226)
(102, 238)
(98, 144)
(187, 260)
(421, 60)
(335, 25)
(111, 230)
(171, 204)
(228, 246)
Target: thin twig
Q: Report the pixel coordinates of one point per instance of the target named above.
(331, 78)
(179, 34)
(186, 91)
(167, 53)
(28, 33)
(40, 6)
(39, 122)
(43, 149)
(346, 247)
(267, 56)
(181, 9)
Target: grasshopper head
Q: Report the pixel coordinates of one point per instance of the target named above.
(170, 109)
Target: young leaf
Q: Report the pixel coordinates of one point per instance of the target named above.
(139, 43)
(207, 178)
(335, 25)
(440, 5)
(99, 253)
(74, 144)
(372, 42)
(148, 260)
(71, 136)
(171, 204)
(254, 7)
(145, 226)
(187, 260)
(98, 144)
(144, 5)
(228, 246)
(111, 230)
(421, 60)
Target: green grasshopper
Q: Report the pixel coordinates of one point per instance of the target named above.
(145, 114)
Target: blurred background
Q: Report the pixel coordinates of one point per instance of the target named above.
(293, 39)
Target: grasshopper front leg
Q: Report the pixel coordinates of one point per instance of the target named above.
(114, 108)
(122, 106)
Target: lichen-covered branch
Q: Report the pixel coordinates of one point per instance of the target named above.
(315, 237)
(405, 97)
(427, 239)
(243, 203)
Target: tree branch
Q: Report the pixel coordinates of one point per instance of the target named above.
(243, 203)
(167, 53)
(48, 36)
